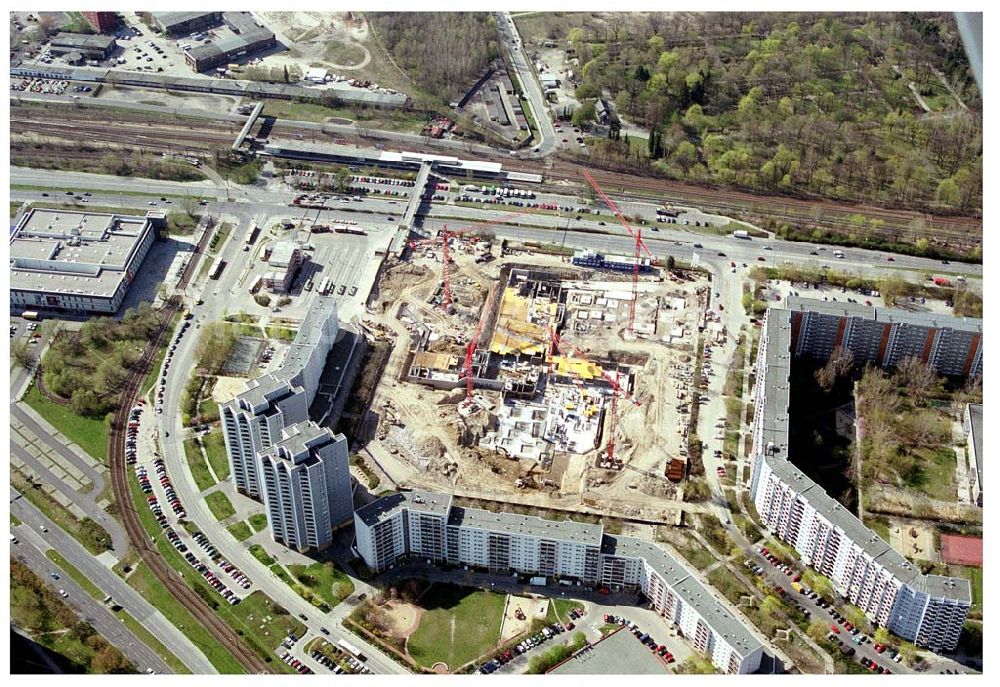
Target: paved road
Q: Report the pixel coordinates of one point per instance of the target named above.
(532, 88)
(105, 579)
(93, 612)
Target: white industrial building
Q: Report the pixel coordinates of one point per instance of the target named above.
(428, 526)
(253, 420)
(80, 262)
(307, 486)
(928, 610)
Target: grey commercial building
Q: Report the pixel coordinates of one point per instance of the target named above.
(307, 486)
(78, 262)
(254, 419)
(91, 46)
(179, 23)
(248, 39)
(928, 610)
(429, 526)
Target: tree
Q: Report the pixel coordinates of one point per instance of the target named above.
(948, 193)
(920, 380)
(839, 365)
(696, 664)
(817, 630)
(584, 114)
(22, 354)
(882, 636)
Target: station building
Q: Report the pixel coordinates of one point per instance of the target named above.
(78, 262)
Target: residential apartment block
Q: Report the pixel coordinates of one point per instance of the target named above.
(429, 526)
(253, 420)
(306, 483)
(926, 609)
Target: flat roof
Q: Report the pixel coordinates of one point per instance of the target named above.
(83, 40)
(310, 334)
(888, 315)
(619, 653)
(300, 440)
(249, 37)
(170, 19)
(69, 252)
(527, 525)
(417, 500)
(690, 590)
(976, 428)
(776, 381)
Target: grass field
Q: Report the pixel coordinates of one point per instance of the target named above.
(324, 580)
(261, 555)
(458, 626)
(935, 476)
(220, 505)
(144, 582)
(241, 531)
(199, 468)
(88, 433)
(215, 447)
(402, 120)
(258, 521)
(559, 610)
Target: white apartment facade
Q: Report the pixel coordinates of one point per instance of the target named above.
(427, 525)
(253, 420)
(306, 483)
(926, 609)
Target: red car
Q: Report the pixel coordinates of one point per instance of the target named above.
(879, 648)
(796, 578)
(835, 629)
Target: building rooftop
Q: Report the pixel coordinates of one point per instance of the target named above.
(71, 252)
(300, 440)
(83, 41)
(976, 422)
(691, 591)
(170, 19)
(282, 253)
(264, 390)
(418, 500)
(315, 326)
(920, 319)
(527, 525)
(620, 653)
(777, 352)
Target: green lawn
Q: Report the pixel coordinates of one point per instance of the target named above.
(261, 555)
(90, 434)
(258, 521)
(325, 580)
(458, 626)
(250, 615)
(215, 447)
(401, 120)
(935, 474)
(199, 468)
(559, 610)
(143, 580)
(241, 531)
(221, 234)
(220, 505)
(208, 410)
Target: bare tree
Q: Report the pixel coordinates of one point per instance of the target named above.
(839, 365)
(920, 380)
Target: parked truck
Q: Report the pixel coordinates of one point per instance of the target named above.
(741, 234)
(537, 581)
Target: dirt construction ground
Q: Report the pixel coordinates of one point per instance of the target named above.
(403, 618)
(913, 540)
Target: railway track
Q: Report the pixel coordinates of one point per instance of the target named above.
(953, 231)
(137, 535)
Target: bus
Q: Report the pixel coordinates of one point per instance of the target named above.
(324, 286)
(30, 315)
(346, 646)
(251, 235)
(217, 270)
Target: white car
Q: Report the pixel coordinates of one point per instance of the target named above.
(63, 594)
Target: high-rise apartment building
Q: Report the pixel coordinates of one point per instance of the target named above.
(428, 526)
(306, 482)
(926, 609)
(253, 420)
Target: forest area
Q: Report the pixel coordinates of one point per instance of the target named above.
(805, 104)
(442, 52)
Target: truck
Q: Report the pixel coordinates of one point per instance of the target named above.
(741, 234)
(354, 651)
(30, 315)
(537, 581)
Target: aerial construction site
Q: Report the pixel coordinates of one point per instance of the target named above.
(539, 376)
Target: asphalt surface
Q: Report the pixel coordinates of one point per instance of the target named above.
(30, 534)
(532, 88)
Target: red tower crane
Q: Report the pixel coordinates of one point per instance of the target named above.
(640, 245)
(445, 238)
(555, 344)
